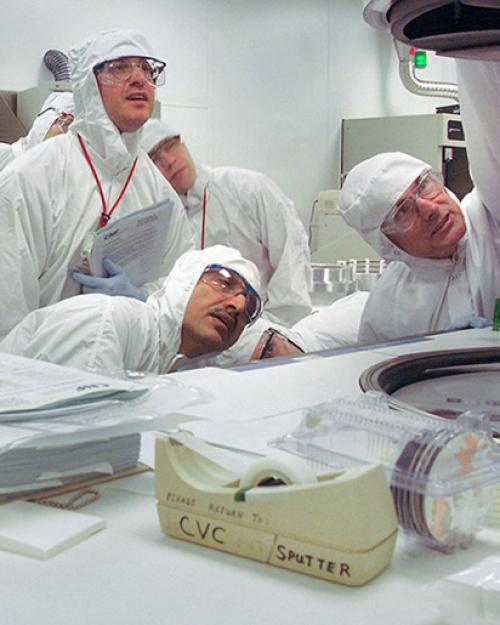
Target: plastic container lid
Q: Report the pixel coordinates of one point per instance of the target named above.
(441, 472)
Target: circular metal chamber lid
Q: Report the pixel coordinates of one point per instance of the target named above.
(445, 383)
(465, 29)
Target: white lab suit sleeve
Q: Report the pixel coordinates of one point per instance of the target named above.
(285, 238)
(404, 303)
(479, 91)
(399, 305)
(334, 326)
(23, 247)
(93, 332)
(6, 155)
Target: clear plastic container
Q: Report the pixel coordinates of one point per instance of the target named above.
(442, 473)
(471, 595)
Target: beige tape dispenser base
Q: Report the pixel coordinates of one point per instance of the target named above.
(341, 528)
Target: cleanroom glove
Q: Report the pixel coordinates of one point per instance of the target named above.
(468, 321)
(116, 283)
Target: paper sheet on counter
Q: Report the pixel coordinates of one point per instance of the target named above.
(42, 532)
(248, 394)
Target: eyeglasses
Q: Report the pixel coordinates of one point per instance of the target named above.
(274, 343)
(49, 108)
(157, 155)
(404, 214)
(64, 121)
(230, 283)
(120, 70)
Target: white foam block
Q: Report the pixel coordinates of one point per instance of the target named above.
(42, 532)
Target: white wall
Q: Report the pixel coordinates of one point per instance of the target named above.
(261, 84)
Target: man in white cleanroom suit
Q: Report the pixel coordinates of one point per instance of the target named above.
(243, 209)
(191, 315)
(57, 192)
(58, 107)
(439, 249)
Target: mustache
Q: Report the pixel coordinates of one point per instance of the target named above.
(228, 319)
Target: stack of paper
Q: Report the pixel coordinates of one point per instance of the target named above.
(27, 470)
(60, 425)
(28, 387)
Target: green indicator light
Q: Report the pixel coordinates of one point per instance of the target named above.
(420, 58)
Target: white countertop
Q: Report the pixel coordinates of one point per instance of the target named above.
(132, 573)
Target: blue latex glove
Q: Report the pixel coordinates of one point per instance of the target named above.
(468, 321)
(116, 283)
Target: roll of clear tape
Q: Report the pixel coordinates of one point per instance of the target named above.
(276, 471)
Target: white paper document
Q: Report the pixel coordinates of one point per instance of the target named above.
(33, 385)
(136, 242)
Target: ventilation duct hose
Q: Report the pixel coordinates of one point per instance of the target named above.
(57, 62)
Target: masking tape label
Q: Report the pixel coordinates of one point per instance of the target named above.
(351, 569)
(312, 560)
(216, 533)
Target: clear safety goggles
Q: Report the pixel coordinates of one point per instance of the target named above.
(118, 71)
(404, 214)
(274, 343)
(158, 154)
(230, 283)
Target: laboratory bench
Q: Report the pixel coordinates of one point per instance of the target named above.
(130, 572)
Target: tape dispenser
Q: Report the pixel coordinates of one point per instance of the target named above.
(339, 526)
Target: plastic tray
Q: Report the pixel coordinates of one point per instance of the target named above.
(442, 473)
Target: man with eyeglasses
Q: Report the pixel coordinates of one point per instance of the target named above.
(54, 118)
(204, 304)
(243, 209)
(433, 242)
(55, 194)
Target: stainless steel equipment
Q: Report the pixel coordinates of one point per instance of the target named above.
(436, 138)
(331, 281)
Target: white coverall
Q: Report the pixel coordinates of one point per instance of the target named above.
(479, 89)
(112, 334)
(333, 326)
(6, 155)
(418, 295)
(49, 199)
(56, 103)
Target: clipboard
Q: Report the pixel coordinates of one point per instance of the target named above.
(136, 242)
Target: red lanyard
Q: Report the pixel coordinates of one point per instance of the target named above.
(105, 216)
(204, 218)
